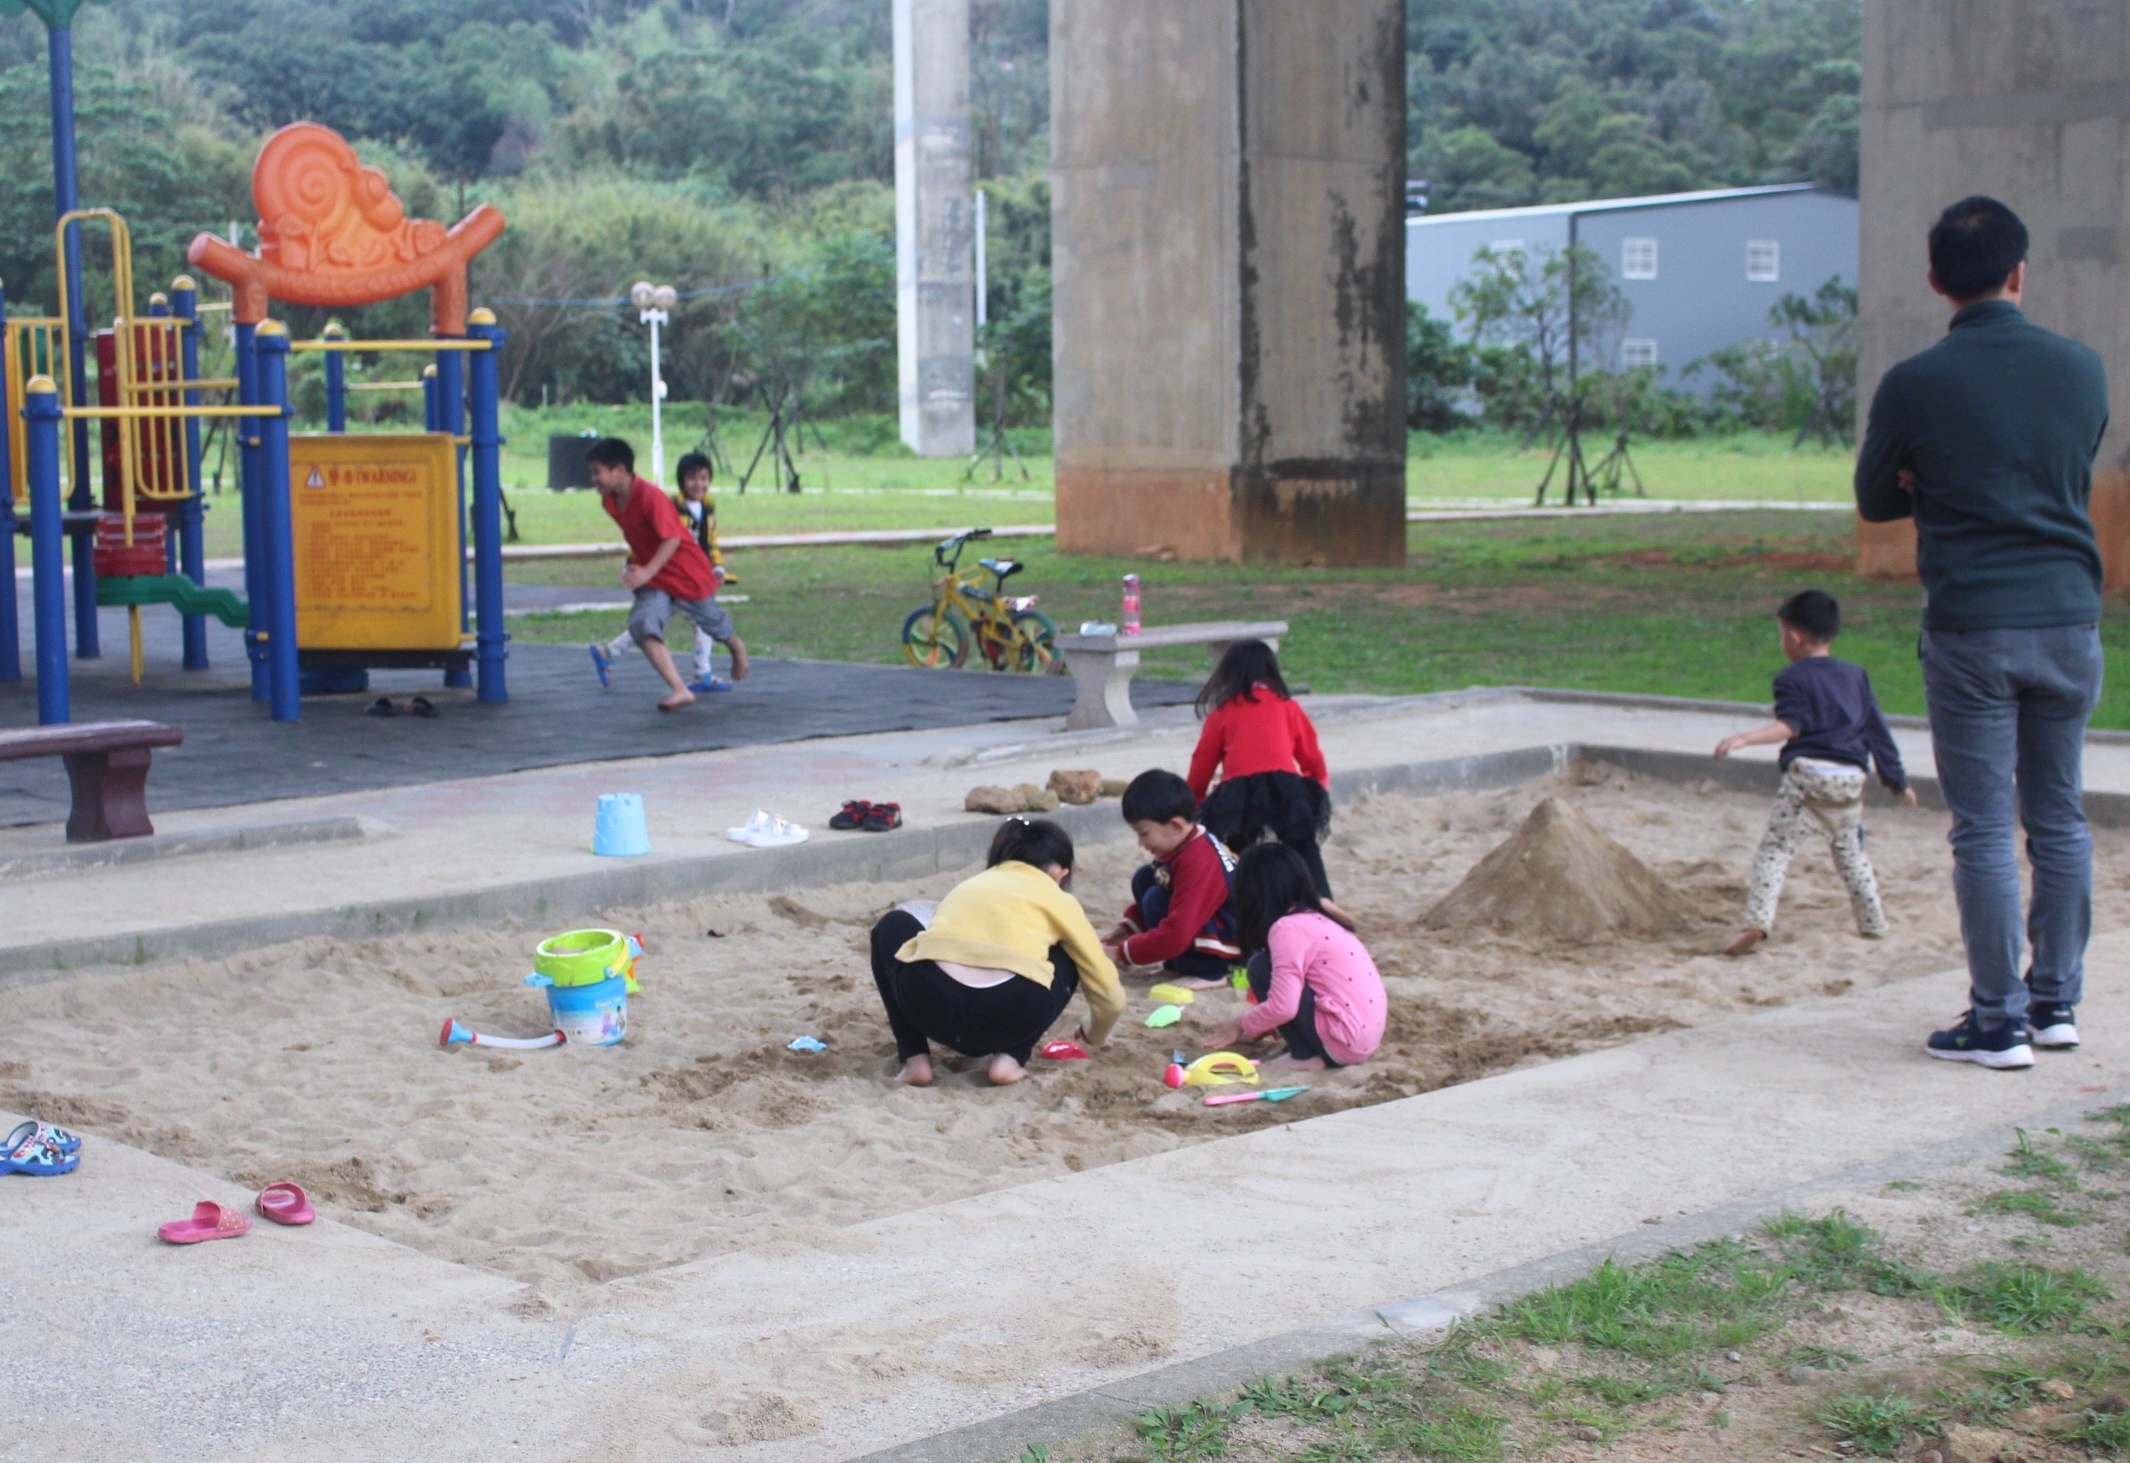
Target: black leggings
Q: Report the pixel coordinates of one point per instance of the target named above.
(925, 1004)
(1300, 1033)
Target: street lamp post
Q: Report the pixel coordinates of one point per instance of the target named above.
(652, 302)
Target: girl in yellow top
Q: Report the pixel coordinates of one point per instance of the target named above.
(999, 962)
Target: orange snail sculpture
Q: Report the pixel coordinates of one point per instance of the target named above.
(332, 233)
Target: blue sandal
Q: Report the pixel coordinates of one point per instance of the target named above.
(60, 1138)
(38, 1154)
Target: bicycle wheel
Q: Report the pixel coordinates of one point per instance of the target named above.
(1035, 642)
(932, 639)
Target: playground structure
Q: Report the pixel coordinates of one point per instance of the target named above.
(364, 563)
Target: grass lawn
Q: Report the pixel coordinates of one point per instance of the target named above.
(865, 479)
(1679, 606)
(1806, 1337)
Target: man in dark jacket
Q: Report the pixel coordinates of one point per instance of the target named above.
(1987, 439)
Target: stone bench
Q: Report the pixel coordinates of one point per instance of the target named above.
(107, 767)
(1102, 666)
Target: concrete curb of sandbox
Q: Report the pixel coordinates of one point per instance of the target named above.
(861, 858)
(612, 884)
(1111, 1409)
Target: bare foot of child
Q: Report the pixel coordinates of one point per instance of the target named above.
(1745, 941)
(1285, 1063)
(916, 1072)
(680, 698)
(1005, 1071)
(1197, 982)
(738, 648)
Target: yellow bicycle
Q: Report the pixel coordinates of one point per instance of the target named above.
(1011, 633)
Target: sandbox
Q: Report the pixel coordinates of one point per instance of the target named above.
(317, 1061)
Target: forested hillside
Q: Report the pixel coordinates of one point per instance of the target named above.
(708, 143)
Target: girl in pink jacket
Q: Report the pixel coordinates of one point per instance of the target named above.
(1315, 983)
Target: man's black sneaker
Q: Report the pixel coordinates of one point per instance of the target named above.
(2001, 1047)
(2053, 1025)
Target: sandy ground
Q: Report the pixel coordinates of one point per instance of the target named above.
(317, 1061)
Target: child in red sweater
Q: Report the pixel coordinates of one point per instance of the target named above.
(1182, 916)
(1272, 773)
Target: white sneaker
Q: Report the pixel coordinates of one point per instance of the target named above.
(780, 833)
(746, 833)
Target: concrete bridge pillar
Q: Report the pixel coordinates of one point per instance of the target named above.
(2027, 101)
(935, 298)
(1228, 266)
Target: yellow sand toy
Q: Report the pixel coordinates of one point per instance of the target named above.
(1216, 1069)
(1175, 995)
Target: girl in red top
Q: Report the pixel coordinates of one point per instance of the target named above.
(1272, 774)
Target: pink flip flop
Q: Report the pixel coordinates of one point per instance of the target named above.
(286, 1203)
(209, 1221)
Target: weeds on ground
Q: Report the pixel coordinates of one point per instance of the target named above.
(1662, 1344)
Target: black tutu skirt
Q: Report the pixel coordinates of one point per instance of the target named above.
(1290, 807)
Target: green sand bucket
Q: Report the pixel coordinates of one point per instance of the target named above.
(581, 957)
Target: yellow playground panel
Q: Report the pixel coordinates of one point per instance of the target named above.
(375, 525)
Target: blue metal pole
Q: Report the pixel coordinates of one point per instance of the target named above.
(253, 487)
(336, 382)
(492, 647)
(451, 417)
(192, 513)
(10, 620)
(66, 196)
(285, 691)
(47, 550)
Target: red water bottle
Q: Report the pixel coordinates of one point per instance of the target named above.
(1130, 618)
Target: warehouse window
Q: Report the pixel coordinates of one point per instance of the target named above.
(1763, 261)
(1638, 258)
(1637, 351)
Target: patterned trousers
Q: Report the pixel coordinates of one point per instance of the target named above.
(1827, 798)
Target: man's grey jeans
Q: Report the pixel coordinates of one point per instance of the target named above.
(2008, 713)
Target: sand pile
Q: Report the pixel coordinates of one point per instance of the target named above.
(1561, 878)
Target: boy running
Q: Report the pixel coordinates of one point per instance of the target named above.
(667, 569)
(699, 513)
(1831, 730)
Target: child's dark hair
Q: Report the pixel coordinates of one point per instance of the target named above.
(1036, 841)
(1158, 795)
(694, 462)
(1272, 882)
(1814, 613)
(1245, 665)
(611, 452)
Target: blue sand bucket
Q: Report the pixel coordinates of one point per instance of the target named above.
(589, 1015)
(620, 831)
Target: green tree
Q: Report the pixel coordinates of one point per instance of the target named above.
(1438, 371)
(1557, 311)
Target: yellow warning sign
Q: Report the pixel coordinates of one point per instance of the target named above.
(377, 541)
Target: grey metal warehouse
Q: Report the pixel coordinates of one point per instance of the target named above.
(1700, 270)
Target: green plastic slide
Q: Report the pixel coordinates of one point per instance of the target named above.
(225, 605)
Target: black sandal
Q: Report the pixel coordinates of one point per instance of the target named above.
(422, 707)
(880, 817)
(852, 815)
(382, 706)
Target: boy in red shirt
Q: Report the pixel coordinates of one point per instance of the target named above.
(667, 569)
(1182, 916)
